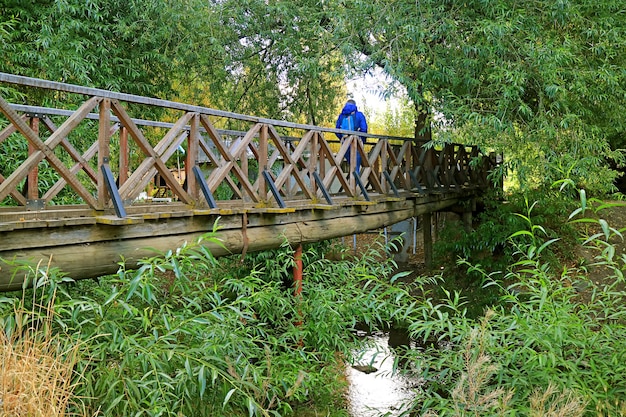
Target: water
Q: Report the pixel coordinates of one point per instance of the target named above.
(379, 393)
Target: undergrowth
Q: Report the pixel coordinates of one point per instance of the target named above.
(188, 334)
(545, 349)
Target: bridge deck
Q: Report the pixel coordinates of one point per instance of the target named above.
(140, 183)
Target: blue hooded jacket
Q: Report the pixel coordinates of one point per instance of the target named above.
(360, 124)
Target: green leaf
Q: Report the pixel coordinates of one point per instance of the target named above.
(228, 395)
(202, 381)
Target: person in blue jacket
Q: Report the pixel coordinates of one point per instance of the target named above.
(351, 118)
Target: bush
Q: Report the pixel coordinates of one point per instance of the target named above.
(546, 349)
(187, 335)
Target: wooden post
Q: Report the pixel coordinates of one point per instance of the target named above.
(352, 168)
(314, 161)
(104, 150)
(32, 184)
(191, 158)
(262, 162)
(428, 240)
(467, 221)
(124, 156)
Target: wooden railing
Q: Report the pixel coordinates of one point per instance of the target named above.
(98, 154)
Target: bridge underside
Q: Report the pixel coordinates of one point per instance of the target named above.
(85, 243)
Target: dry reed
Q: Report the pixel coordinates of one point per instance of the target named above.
(36, 366)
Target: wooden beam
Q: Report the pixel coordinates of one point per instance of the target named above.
(153, 159)
(104, 150)
(45, 150)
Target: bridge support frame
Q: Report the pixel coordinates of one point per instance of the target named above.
(297, 280)
(428, 239)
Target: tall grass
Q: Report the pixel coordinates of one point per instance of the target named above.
(36, 363)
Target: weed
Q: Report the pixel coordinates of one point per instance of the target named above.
(36, 363)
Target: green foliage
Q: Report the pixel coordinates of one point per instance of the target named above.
(186, 334)
(246, 57)
(488, 242)
(552, 343)
(543, 84)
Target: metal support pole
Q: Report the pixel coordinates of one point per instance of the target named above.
(428, 240)
(206, 191)
(414, 234)
(297, 280)
(269, 181)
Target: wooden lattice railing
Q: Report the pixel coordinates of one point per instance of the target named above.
(99, 155)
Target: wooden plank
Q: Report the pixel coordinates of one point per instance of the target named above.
(335, 168)
(4, 134)
(10, 129)
(230, 164)
(14, 193)
(7, 227)
(131, 98)
(173, 224)
(290, 165)
(98, 258)
(81, 160)
(58, 186)
(271, 210)
(117, 221)
(206, 212)
(42, 214)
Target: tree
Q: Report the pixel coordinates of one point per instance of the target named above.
(542, 80)
(264, 58)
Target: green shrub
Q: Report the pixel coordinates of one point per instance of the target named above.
(187, 334)
(552, 346)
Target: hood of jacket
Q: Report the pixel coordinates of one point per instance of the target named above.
(348, 109)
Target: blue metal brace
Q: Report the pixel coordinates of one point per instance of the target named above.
(416, 182)
(390, 182)
(109, 180)
(320, 184)
(270, 181)
(208, 196)
(361, 186)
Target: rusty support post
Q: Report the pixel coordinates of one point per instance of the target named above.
(297, 279)
(428, 240)
(297, 271)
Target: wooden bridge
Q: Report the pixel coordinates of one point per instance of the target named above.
(104, 175)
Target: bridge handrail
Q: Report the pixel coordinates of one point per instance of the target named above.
(132, 98)
(298, 168)
(37, 111)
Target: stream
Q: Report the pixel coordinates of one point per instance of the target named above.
(374, 390)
